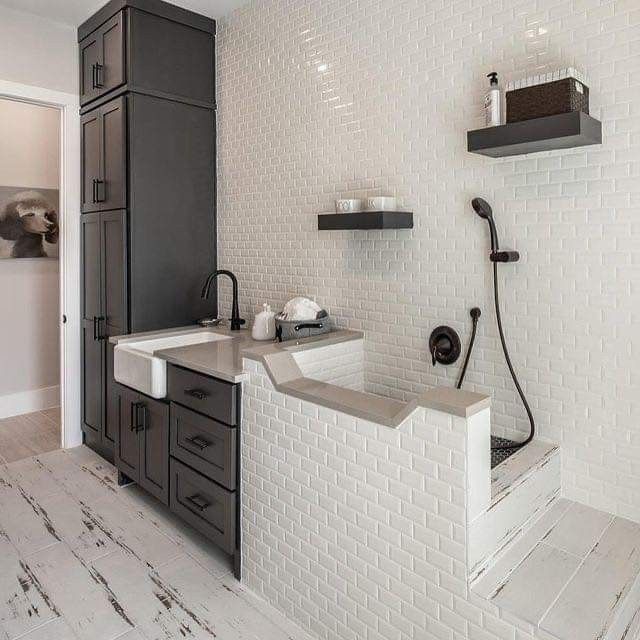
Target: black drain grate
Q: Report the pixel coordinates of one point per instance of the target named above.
(500, 455)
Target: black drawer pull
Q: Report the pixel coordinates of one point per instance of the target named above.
(196, 393)
(198, 502)
(198, 441)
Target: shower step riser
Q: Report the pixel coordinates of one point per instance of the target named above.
(511, 512)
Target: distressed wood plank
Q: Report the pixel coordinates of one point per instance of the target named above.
(57, 629)
(578, 530)
(489, 581)
(531, 589)
(87, 605)
(76, 529)
(190, 541)
(589, 603)
(22, 521)
(23, 607)
(515, 468)
(130, 530)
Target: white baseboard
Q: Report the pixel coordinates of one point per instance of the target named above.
(16, 404)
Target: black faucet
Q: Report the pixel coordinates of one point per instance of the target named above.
(236, 320)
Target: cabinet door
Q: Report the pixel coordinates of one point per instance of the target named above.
(111, 187)
(102, 60)
(91, 294)
(90, 126)
(127, 451)
(92, 345)
(112, 73)
(154, 448)
(114, 272)
(89, 61)
(92, 378)
(112, 400)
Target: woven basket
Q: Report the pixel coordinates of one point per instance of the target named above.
(548, 99)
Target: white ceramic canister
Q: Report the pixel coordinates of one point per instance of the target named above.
(264, 324)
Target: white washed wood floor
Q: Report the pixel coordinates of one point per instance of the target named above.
(81, 558)
(570, 573)
(29, 434)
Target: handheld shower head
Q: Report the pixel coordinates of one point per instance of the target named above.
(484, 210)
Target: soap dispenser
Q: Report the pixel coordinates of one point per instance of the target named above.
(264, 324)
(493, 102)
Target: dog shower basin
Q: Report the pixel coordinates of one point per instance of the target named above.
(135, 364)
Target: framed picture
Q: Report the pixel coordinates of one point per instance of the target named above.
(28, 223)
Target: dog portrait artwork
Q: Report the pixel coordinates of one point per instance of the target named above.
(28, 223)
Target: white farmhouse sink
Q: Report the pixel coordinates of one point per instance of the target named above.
(136, 366)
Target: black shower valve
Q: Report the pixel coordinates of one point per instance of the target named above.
(444, 345)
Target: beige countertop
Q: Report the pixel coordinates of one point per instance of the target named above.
(224, 359)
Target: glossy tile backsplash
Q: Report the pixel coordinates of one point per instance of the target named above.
(321, 100)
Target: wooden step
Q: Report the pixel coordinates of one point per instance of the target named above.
(575, 575)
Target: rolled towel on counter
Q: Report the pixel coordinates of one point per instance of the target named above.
(300, 308)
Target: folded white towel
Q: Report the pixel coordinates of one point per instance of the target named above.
(300, 309)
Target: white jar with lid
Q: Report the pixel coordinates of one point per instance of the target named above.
(264, 324)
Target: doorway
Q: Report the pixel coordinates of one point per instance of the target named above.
(39, 275)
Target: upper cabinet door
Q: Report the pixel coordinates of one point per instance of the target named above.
(102, 59)
(111, 190)
(89, 61)
(104, 157)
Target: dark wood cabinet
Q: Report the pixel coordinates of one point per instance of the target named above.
(148, 197)
(103, 157)
(102, 59)
(104, 312)
(154, 448)
(92, 381)
(142, 441)
(113, 230)
(127, 449)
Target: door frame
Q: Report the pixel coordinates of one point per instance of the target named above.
(68, 105)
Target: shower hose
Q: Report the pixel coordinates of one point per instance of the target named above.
(475, 315)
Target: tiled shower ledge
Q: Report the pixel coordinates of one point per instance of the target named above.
(574, 575)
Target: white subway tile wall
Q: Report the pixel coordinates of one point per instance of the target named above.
(340, 364)
(321, 100)
(358, 531)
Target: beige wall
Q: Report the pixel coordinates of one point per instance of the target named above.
(38, 52)
(29, 289)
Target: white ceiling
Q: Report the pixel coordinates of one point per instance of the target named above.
(74, 12)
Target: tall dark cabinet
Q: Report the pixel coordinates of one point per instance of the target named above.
(147, 95)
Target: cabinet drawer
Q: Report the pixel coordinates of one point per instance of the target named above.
(204, 505)
(210, 396)
(204, 444)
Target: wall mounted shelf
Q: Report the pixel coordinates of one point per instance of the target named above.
(564, 131)
(365, 220)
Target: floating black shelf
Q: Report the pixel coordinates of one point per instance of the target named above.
(564, 131)
(365, 220)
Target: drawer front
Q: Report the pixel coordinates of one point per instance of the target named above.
(210, 396)
(204, 444)
(204, 505)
